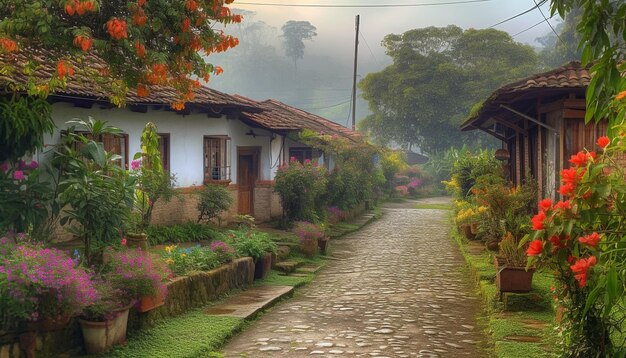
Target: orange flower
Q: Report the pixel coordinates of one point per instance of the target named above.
(580, 269)
(8, 45)
(179, 106)
(591, 240)
(604, 141)
(117, 28)
(538, 221)
(218, 70)
(140, 49)
(83, 42)
(564, 205)
(620, 96)
(186, 24)
(191, 5)
(237, 18)
(69, 8)
(579, 159)
(567, 189)
(63, 69)
(141, 2)
(535, 248)
(545, 204)
(142, 91)
(140, 18)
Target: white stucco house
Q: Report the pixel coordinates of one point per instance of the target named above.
(217, 138)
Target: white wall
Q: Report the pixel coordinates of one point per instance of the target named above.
(186, 137)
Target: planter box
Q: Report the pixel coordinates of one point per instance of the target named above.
(149, 303)
(262, 266)
(101, 336)
(513, 279)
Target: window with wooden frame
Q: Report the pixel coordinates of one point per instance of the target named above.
(114, 144)
(164, 149)
(303, 153)
(216, 158)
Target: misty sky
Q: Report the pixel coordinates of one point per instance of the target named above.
(336, 25)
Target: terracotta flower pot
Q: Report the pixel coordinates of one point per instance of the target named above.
(101, 336)
(466, 230)
(139, 241)
(262, 266)
(322, 243)
(512, 279)
(149, 303)
(474, 228)
(308, 247)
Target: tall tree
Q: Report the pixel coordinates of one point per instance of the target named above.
(142, 42)
(564, 48)
(294, 34)
(436, 76)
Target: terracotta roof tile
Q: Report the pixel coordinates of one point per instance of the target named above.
(86, 87)
(280, 116)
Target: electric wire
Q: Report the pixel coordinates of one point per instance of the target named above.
(532, 27)
(549, 24)
(364, 5)
(369, 48)
(327, 107)
(520, 14)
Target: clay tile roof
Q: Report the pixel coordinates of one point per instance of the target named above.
(85, 87)
(282, 117)
(569, 76)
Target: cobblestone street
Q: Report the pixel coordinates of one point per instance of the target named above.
(397, 289)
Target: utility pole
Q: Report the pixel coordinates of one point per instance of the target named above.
(356, 55)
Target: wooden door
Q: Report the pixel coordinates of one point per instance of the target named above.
(247, 174)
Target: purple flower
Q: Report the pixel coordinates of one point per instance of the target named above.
(135, 164)
(18, 175)
(34, 165)
(21, 165)
(4, 167)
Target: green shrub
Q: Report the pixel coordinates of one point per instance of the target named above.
(302, 187)
(214, 199)
(178, 233)
(251, 243)
(183, 261)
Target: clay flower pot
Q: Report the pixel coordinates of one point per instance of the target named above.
(149, 303)
(139, 241)
(466, 230)
(101, 336)
(308, 247)
(322, 243)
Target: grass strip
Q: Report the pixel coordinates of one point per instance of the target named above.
(194, 334)
(525, 327)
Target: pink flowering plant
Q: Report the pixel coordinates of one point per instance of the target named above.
(135, 272)
(307, 231)
(581, 239)
(38, 283)
(26, 198)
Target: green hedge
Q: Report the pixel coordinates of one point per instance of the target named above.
(178, 233)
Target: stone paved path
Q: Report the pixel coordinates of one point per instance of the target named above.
(398, 291)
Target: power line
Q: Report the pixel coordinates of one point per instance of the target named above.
(549, 24)
(369, 48)
(518, 15)
(532, 27)
(327, 107)
(364, 5)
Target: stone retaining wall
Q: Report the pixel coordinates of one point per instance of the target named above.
(184, 293)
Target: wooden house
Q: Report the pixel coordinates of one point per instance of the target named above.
(540, 121)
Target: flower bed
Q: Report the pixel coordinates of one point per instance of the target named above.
(184, 293)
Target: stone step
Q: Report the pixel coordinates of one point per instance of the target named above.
(287, 266)
(309, 268)
(250, 302)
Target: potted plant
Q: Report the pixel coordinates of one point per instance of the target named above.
(310, 236)
(257, 245)
(139, 274)
(41, 289)
(511, 272)
(152, 184)
(104, 323)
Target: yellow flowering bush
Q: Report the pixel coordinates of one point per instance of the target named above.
(470, 215)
